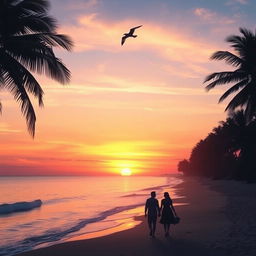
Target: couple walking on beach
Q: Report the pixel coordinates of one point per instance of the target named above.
(166, 212)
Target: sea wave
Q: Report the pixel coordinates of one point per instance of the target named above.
(155, 187)
(63, 199)
(135, 194)
(54, 235)
(19, 206)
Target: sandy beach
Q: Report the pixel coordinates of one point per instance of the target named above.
(218, 220)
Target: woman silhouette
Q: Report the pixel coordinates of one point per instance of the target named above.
(168, 213)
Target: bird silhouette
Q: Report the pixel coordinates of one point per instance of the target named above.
(130, 34)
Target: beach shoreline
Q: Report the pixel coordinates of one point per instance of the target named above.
(73, 207)
(204, 224)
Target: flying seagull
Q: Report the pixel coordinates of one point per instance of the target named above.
(130, 34)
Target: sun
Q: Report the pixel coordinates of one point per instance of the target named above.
(126, 172)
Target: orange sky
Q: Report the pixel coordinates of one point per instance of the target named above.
(140, 106)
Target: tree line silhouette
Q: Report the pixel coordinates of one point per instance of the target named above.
(229, 151)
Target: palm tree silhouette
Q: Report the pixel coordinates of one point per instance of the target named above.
(27, 37)
(227, 152)
(244, 75)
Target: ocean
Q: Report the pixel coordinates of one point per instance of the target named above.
(72, 207)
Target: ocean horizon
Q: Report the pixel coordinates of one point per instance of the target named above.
(72, 206)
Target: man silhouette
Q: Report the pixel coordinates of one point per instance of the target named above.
(151, 211)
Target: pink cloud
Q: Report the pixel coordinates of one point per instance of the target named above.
(212, 17)
(242, 1)
(231, 2)
(82, 4)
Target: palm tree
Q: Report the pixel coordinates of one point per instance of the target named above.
(27, 37)
(184, 167)
(244, 75)
(244, 141)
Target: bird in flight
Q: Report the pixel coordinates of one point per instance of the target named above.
(130, 34)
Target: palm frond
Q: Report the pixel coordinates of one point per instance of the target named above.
(1, 77)
(224, 78)
(240, 99)
(27, 80)
(38, 6)
(40, 58)
(57, 71)
(233, 89)
(218, 75)
(13, 83)
(35, 23)
(246, 32)
(244, 44)
(57, 40)
(24, 17)
(229, 57)
(250, 109)
(236, 41)
(49, 39)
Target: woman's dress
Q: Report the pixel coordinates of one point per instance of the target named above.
(167, 216)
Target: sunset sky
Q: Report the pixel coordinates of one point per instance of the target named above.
(140, 106)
